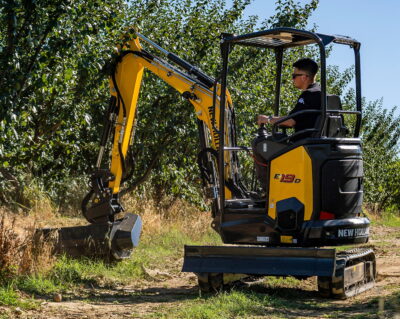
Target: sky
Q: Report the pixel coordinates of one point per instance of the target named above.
(374, 23)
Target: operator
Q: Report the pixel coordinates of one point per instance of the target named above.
(303, 77)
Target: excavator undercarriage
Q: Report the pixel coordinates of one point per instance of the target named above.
(340, 274)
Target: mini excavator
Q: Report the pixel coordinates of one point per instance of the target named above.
(313, 186)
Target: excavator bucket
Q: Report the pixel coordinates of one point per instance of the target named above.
(107, 240)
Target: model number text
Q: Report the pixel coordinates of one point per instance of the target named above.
(287, 178)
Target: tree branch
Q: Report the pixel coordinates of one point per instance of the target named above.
(37, 50)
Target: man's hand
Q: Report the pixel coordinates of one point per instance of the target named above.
(263, 119)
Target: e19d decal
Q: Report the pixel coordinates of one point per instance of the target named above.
(287, 178)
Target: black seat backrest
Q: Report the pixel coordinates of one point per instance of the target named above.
(334, 125)
(334, 102)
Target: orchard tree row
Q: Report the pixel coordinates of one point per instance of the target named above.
(54, 62)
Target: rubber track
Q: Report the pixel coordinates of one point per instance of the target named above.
(333, 287)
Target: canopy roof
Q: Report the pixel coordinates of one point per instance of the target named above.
(287, 38)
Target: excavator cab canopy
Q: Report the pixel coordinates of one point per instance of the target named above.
(280, 39)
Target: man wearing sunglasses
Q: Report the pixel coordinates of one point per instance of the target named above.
(303, 77)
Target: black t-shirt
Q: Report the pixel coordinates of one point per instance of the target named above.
(308, 100)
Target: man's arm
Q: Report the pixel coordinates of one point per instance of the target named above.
(264, 119)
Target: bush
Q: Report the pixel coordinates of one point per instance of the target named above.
(381, 132)
(19, 253)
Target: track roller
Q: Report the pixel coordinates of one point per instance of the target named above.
(355, 273)
(216, 282)
(210, 282)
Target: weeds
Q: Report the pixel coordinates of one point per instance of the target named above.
(11, 246)
(225, 305)
(159, 218)
(9, 297)
(388, 219)
(160, 252)
(19, 253)
(20, 256)
(166, 231)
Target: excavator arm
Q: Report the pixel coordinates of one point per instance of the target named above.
(102, 202)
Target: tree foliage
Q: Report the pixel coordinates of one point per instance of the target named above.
(51, 54)
(381, 132)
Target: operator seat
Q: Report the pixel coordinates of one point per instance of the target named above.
(334, 124)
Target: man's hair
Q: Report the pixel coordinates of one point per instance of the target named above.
(308, 65)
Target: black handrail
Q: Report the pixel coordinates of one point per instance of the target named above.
(221, 158)
(342, 112)
(358, 89)
(278, 79)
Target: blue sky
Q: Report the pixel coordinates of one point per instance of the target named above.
(375, 23)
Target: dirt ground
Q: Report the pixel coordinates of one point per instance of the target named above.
(171, 290)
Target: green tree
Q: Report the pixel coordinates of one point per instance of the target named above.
(51, 84)
(54, 85)
(381, 132)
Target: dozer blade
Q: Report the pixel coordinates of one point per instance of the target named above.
(260, 260)
(108, 240)
(220, 266)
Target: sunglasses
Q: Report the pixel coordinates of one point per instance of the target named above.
(295, 75)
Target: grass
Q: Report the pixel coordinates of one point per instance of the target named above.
(393, 303)
(381, 307)
(165, 233)
(388, 218)
(10, 297)
(252, 302)
(161, 247)
(155, 252)
(278, 303)
(39, 284)
(225, 305)
(279, 282)
(170, 244)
